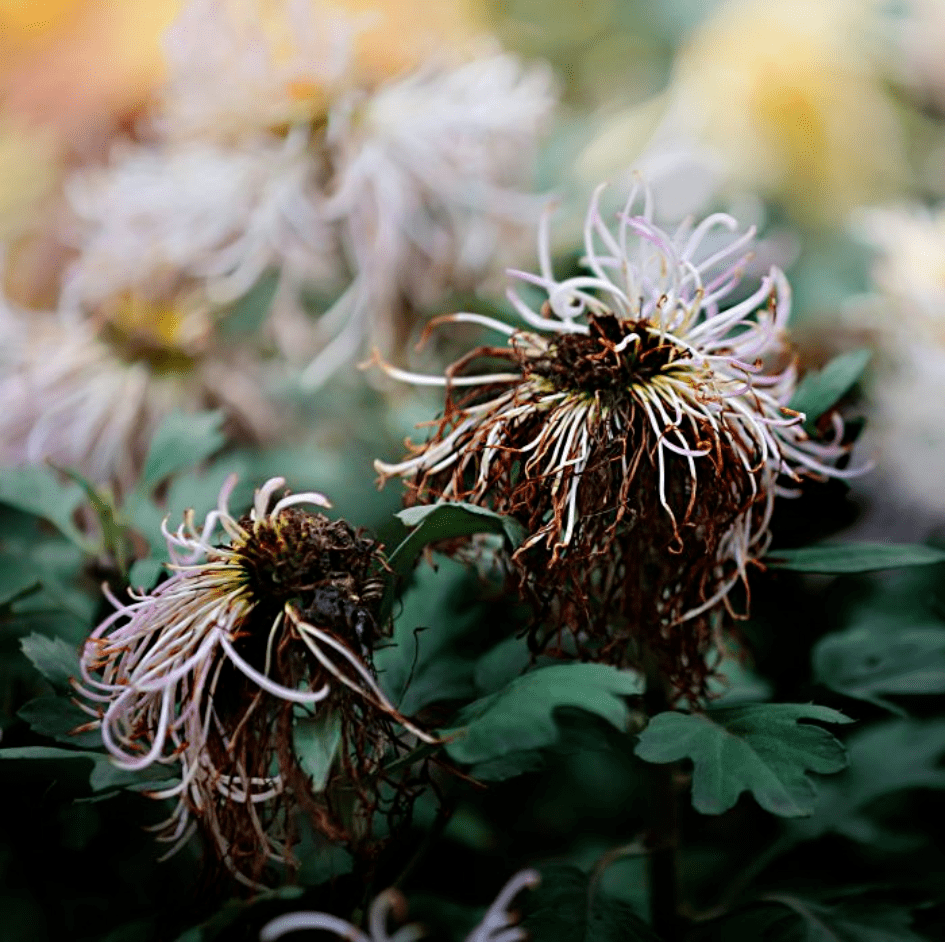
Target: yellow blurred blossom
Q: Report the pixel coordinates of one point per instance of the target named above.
(784, 99)
(80, 67)
(789, 94)
(28, 170)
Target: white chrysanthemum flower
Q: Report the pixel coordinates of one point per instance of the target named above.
(499, 922)
(69, 399)
(427, 181)
(904, 317)
(642, 427)
(89, 393)
(918, 56)
(214, 215)
(909, 270)
(181, 675)
(239, 67)
(275, 63)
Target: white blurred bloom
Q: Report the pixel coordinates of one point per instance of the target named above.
(499, 922)
(905, 318)
(909, 269)
(211, 214)
(427, 187)
(291, 139)
(88, 393)
(68, 398)
(245, 66)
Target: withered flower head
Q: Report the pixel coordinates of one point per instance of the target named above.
(637, 427)
(212, 670)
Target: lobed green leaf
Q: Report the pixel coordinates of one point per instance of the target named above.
(884, 758)
(54, 659)
(758, 748)
(520, 717)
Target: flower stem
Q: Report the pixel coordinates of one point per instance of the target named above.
(663, 833)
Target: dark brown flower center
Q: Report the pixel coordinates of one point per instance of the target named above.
(291, 555)
(603, 360)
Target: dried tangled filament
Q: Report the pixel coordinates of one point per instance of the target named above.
(210, 671)
(641, 433)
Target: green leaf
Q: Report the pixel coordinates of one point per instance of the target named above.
(790, 917)
(853, 557)
(182, 440)
(884, 758)
(423, 663)
(104, 775)
(54, 659)
(116, 540)
(38, 492)
(58, 717)
(144, 573)
(567, 905)
(872, 659)
(521, 716)
(316, 741)
(855, 919)
(16, 580)
(758, 748)
(446, 521)
(821, 389)
(248, 314)
(48, 753)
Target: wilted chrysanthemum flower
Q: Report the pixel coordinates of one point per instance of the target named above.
(213, 670)
(637, 427)
(499, 922)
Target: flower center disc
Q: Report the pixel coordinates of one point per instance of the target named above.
(614, 356)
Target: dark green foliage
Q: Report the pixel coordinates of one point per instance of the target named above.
(759, 748)
(568, 905)
(520, 717)
(789, 917)
(543, 762)
(853, 557)
(819, 390)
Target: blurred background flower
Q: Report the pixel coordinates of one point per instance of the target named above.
(226, 203)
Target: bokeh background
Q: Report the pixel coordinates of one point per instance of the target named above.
(820, 122)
